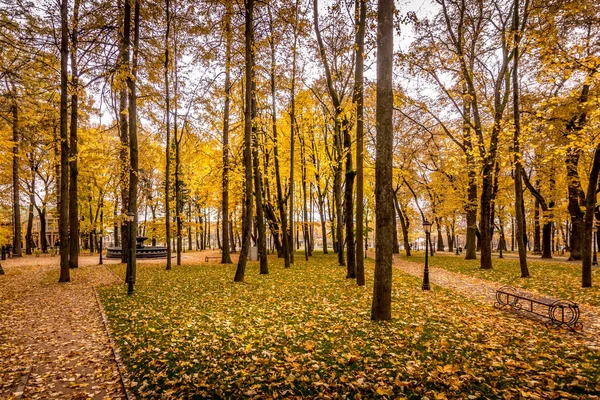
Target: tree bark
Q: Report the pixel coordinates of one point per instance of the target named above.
(305, 235)
(404, 223)
(17, 248)
(73, 154)
(168, 138)
(29, 234)
(537, 234)
(517, 159)
(360, 18)
(293, 132)
(286, 245)
(337, 140)
(258, 190)
(395, 245)
(133, 142)
(63, 224)
(381, 308)
(124, 130)
(590, 207)
(226, 252)
(247, 212)
(349, 206)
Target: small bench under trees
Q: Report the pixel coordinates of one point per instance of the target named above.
(208, 258)
(560, 313)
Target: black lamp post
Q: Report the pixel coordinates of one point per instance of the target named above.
(427, 229)
(595, 256)
(130, 218)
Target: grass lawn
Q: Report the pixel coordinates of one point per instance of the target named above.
(558, 279)
(305, 331)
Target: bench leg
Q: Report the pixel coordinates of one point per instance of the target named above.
(564, 313)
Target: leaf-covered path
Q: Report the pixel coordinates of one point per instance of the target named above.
(54, 344)
(485, 291)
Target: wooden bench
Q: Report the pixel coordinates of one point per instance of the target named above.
(208, 258)
(560, 313)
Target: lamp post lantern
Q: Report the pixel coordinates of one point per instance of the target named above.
(427, 229)
(130, 218)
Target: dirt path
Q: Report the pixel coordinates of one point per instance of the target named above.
(53, 341)
(485, 291)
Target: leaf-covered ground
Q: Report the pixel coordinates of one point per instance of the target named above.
(558, 279)
(305, 332)
(52, 340)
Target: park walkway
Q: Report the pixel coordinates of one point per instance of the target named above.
(485, 292)
(53, 340)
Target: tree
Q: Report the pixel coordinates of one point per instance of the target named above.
(286, 244)
(73, 171)
(225, 254)
(133, 140)
(17, 249)
(168, 136)
(247, 210)
(519, 217)
(336, 81)
(381, 308)
(360, 17)
(63, 224)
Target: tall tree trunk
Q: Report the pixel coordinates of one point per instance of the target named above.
(133, 142)
(323, 219)
(577, 197)
(91, 233)
(218, 233)
(231, 237)
(189, 225)
(332, 223)
(440, 236)
(305, 235)
(226, 252)
(381, 308)
(517, 158)
(116, 236)
(73, 155)
(124, 128)
(395, 245)
(43, 241)
(537, 234)
(29, 234)
(404, 223)
(286, 245)
(337, 192)
(450, 237)
(293, 132)
(471, 206)
(258, 190)
(168, 137)
(360, 18)
(337, 139)
(63, 223)
(17, 249)
(247, 214)
(349, 206)
(590, 206)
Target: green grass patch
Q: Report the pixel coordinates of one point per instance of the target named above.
(305, 331)
(557, 279)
